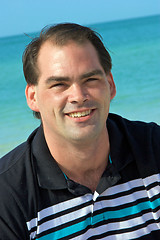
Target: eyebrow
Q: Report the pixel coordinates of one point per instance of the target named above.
(56, 79)
(92, 73)
(66, 79)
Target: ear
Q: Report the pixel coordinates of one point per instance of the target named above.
(30, 93)
(112, 85)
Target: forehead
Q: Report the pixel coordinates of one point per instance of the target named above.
(71, 46)
(67, 58)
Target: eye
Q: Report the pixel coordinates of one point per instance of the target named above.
(91, 79)
(59, 85)
(56, 85)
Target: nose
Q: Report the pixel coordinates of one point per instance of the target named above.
(77, 94)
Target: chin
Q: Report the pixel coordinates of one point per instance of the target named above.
(83, 137)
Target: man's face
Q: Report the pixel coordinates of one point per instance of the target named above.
(73, 92)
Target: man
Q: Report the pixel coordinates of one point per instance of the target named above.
(84, 173)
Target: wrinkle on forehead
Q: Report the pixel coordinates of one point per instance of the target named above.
(59, 61)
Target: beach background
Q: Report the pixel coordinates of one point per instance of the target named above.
(134, 45)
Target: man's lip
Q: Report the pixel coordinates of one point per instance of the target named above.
(81, 116)
(80, 111)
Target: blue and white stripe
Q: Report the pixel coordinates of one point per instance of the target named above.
(125, 211)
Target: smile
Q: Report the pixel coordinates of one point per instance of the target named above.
(80, 114)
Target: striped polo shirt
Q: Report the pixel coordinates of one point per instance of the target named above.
(39, 202)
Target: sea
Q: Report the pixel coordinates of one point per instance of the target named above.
(134, 45)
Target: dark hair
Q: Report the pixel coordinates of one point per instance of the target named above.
(60, 34)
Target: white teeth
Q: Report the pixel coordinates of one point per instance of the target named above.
(79, 114)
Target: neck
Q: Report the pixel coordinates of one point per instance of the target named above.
(83, 164)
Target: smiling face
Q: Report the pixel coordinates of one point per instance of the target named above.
(73, 92)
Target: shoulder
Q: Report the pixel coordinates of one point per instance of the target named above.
(146, 135)
(136, 129)
(16, 166)
(13, 157)
(17, 156)
(14, 194)
(142, 140)
(17, 188)
(13, 168)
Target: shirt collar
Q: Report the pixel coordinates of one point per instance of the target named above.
(50, 176)
(120, 150)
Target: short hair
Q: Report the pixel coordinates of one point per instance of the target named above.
(60, 35)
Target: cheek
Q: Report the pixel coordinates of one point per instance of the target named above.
(53, 102)
(101, 94)
(58, 100)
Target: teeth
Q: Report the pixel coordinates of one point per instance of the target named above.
(79, 114)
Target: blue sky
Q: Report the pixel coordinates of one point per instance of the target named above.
(19, 16)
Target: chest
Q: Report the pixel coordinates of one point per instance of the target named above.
(125, 211)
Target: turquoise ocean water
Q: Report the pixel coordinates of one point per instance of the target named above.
(135, 49)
